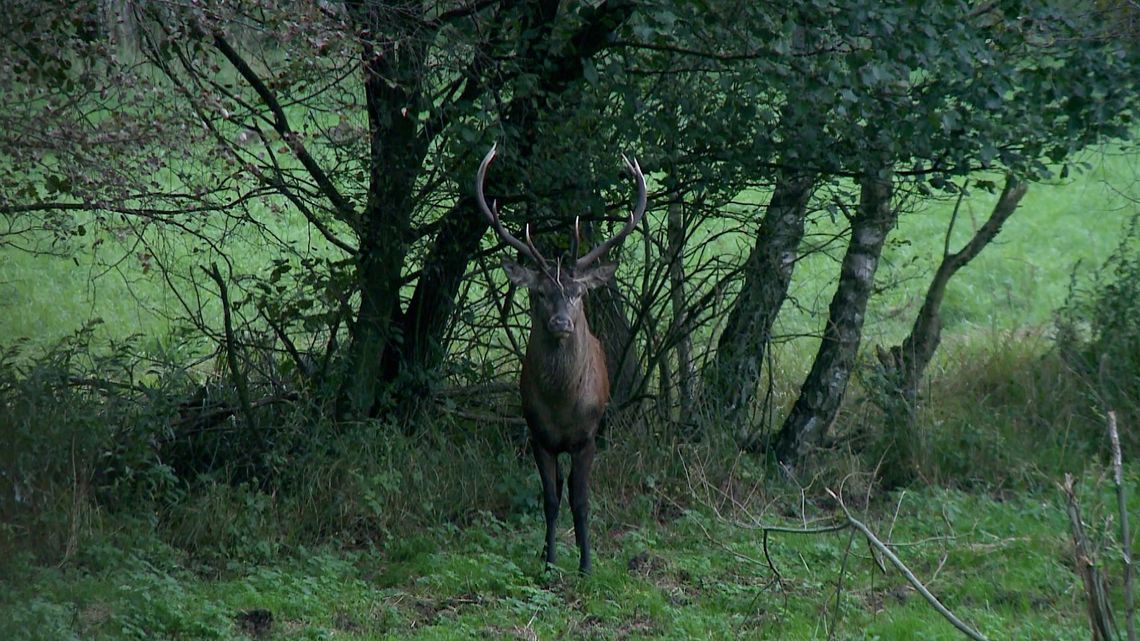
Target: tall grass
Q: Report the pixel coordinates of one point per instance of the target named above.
(1004, 413)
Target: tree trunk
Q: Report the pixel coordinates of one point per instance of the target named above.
(421, 348)
(734, 374)
(911, 358)
(684, 349)
(822, 391)
(391, 83)
(904, 365)
(433, 303)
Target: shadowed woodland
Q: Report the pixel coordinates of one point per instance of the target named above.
(292, 329)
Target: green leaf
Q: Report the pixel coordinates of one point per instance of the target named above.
(589, 72)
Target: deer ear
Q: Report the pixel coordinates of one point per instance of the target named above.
(519, 275)
(596, 276)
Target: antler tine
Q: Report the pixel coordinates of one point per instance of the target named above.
(542, 264)
(635, 216)
(492, 213)
(574, 240)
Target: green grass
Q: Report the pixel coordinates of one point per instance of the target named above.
(1023, 277)
(1019, 280)
(109, 277)
(1001, 563)
(46, 298)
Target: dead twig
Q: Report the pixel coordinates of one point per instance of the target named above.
(1125, 535)
(482, 417)
(232, 357)
(839, 587)
(207, 418)
(905, 571)
(1099, 610)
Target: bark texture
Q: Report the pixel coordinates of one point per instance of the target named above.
(821, 393)
(734, 374)
(684, 347)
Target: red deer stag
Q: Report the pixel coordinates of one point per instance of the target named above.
(564, 383)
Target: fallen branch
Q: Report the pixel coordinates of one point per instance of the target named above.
(206, 419)
(910, 577)
(482, 417)
(764, 529)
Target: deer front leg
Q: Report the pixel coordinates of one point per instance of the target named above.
(551, 475)
(580, 463)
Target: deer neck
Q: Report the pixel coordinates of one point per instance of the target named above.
(561, 364)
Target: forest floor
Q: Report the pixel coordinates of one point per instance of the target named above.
(1002, 562)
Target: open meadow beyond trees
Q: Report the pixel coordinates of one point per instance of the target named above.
(653, 319)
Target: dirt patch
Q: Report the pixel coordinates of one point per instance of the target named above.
(425, 611)
(93, 616)
(593, 627)
(520, 632)
(347, 623)
(256, 623)
(646, 564)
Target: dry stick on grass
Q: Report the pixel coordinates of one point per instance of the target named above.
(910, 577)
(839, 587)
(777, 578)
(1125, 535)
(1100, 614)
(872, 540)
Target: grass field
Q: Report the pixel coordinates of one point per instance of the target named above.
(1000, 562)
(1020, 280)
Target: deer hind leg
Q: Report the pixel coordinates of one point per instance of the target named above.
(580, 463)
(551, 474)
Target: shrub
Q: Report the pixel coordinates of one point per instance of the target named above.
(79, 430)
(1098, 328)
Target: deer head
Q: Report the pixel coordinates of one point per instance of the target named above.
(557, 289)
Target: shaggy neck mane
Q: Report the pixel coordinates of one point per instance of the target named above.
(561, 364)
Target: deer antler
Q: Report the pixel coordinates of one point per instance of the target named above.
(492, 214)
(574, 240)
(635, 217)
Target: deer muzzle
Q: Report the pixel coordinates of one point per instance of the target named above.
(560, 325)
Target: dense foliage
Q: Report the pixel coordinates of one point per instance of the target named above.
(1099, 327)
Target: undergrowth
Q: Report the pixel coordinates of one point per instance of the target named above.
(1008, 413)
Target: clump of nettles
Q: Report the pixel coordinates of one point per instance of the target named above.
(1098, 328)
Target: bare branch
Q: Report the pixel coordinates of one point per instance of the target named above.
(910, 577)
(231, 345)
(1125, 534)
(344, 209)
